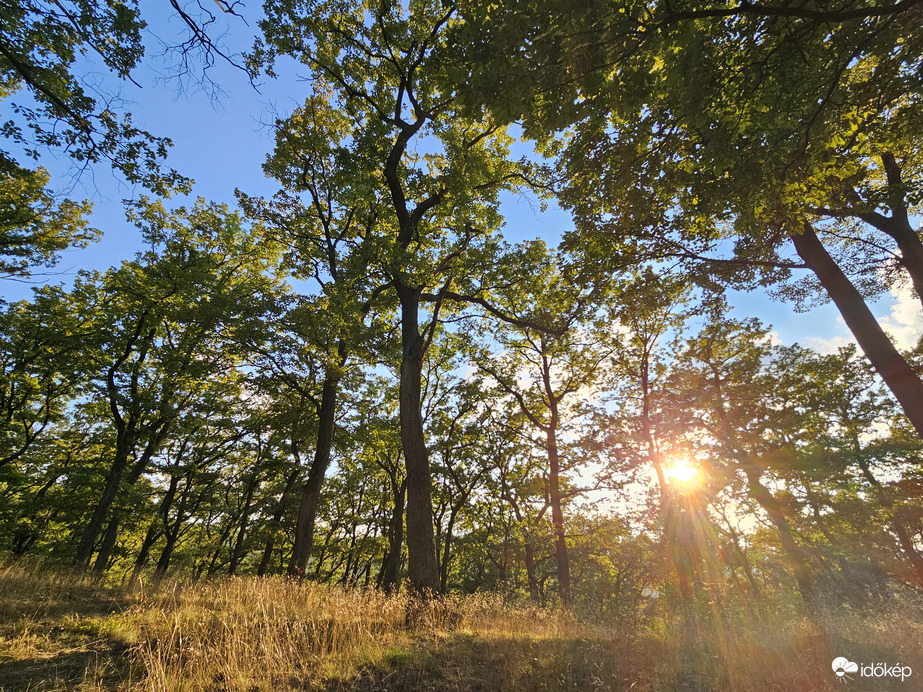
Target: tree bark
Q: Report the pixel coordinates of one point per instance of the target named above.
(391, 568)
(275, 522)
(422, 566)
(238, 553)
(898, 225)
(113, 480)
(108, 545)
(884, 357)
(562, 557)
(310, 493)
(144, 555)
(529, 559)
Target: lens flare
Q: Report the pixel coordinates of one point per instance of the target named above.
(682, 471)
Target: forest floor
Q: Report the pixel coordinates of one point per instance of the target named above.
(63, 632)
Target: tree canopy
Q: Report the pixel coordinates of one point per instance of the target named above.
(357, 378)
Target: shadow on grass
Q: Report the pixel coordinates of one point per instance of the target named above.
(107, 666)
(482, 664)
(461, 662)
(56, 638)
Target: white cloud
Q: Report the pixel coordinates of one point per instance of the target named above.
(905, 320)
(828, 345)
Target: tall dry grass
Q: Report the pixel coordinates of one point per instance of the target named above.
(255, 634)
(250, 634)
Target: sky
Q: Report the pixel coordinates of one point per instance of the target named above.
(221, 140)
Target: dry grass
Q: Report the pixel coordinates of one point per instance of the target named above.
(64, 632)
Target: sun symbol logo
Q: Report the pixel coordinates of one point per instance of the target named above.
(841, 667)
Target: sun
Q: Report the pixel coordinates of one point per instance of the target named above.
(681, 470)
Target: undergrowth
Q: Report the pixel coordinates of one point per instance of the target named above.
(61, 631)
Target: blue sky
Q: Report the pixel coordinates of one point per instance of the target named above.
(221, 141)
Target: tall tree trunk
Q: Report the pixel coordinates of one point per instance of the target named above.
(557, 516)
(884, 357)
(125, 444)
(795, 555)
(422, 567)
(113, 480)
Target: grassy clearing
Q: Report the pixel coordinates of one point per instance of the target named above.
(64, 632)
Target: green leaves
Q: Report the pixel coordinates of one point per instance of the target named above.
(40, 43)
(34, 226)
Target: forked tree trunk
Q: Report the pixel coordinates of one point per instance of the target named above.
(884, 357)
(391, 567)
(898, 225)
(113, 480)
(275, 523)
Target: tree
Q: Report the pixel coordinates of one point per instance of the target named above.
(40, 369)
(322, 218)
(727, 398)
(43, 46)
(163, 325)
(556, 368)
(649, 311)
(34, 227)
(699, 128)
(381, 65)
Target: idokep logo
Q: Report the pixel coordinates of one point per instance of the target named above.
(842, 667)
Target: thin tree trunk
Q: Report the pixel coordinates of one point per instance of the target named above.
(447, 548)
(275, 522)
(391, 569)
(113, 479)
(108, 545)
(557, 517)
(237, 553)
(529, 560)
(144, 555)
(125, 439)
(114, 484)
(310, 494)
(884, 357)
(164, 561)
